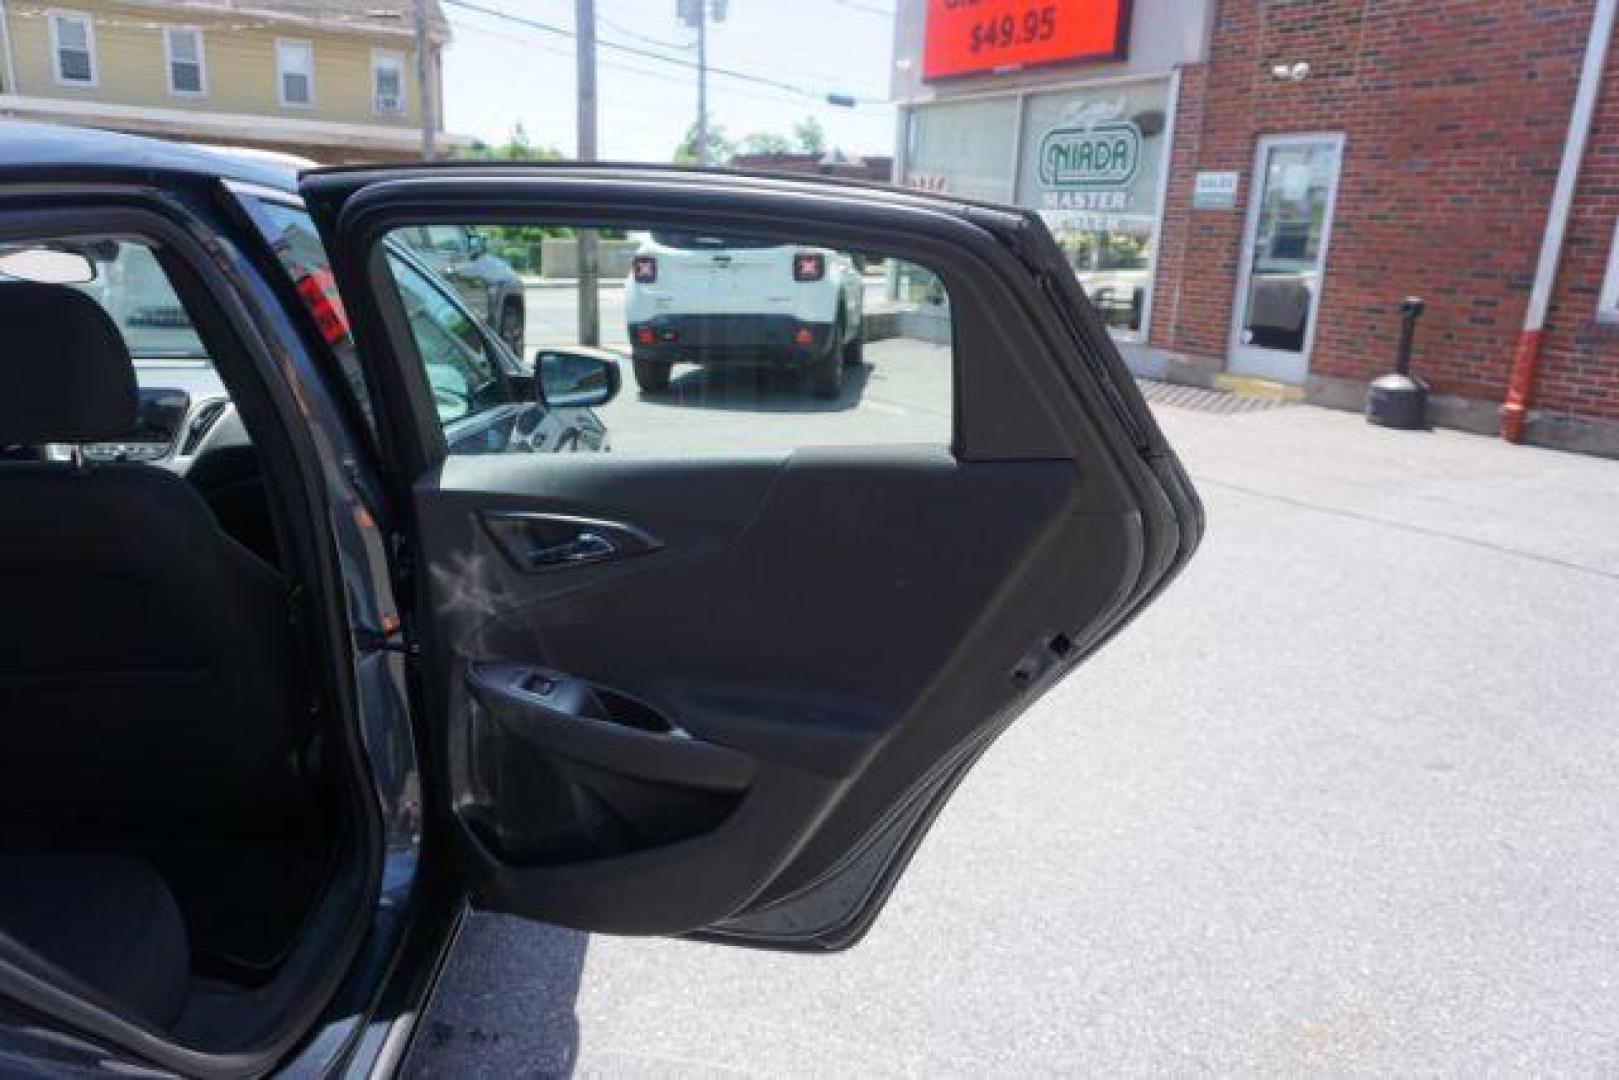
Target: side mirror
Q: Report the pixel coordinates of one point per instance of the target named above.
(477, 244)
(576, 378)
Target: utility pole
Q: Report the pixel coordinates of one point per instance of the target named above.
(701, 7)
(696, 14)
(425, 99)
(584, 13)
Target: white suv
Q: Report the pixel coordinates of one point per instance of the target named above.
(700, 298)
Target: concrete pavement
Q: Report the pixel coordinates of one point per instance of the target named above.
(1345, 801)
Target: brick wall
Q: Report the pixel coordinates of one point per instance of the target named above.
(1454, 114)
(1579, 359)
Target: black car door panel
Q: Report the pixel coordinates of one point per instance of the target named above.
(726, 696)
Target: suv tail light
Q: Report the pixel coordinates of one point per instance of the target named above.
(646, 269)
(808, 266)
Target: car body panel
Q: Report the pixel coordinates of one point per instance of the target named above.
(843, 759)
(1040, 529)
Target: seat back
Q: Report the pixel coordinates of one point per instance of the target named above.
(147, 661)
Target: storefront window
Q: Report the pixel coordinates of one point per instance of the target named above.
(963, 148)
(1090, 163)
(960, 148)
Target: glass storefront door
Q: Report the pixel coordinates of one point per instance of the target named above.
(1295, 181)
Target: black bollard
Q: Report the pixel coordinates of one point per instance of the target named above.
(1399, 400)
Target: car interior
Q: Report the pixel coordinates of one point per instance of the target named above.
(170, 819)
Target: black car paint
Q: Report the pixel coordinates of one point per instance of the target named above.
(999, 427)
(414, 915)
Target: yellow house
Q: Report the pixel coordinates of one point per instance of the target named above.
(332, 80)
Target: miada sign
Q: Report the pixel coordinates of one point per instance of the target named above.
(1105, 155)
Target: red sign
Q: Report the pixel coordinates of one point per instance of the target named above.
(966, 37)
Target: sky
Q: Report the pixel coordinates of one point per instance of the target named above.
(498, 73)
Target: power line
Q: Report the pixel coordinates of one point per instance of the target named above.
(765, 94)
(620, 29)
(562, 31)
(868, 9)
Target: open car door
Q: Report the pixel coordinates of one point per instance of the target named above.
(724, 694)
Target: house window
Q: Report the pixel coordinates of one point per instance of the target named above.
(295, 72)
(73, 48)
(182, 45)
(387, 83)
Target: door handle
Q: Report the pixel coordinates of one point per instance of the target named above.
(538, 541)
(587, 547)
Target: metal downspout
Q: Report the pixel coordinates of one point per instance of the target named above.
(1526, 357)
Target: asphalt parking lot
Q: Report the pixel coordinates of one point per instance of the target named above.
(1343, 802)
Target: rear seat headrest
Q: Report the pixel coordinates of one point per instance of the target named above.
(65, 372)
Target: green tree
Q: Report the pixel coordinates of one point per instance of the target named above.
(766, 142)
(517, 147)
(810, 136)
(517, 244)
(720, 149)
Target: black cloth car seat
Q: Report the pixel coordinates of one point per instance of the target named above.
(147, 660)
(107, 920)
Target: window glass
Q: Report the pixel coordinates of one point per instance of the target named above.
(963, 148)
(459, 358)
(185, 61)
(173, 370)
(444, 239)
(292, 235)
(295, 68)
(387, 84)
(711, 342)
(133, 288)
(75, 57)
(1091, 165)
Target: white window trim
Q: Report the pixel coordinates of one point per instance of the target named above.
(1608, 299)
(398, 58)
(281, 83)
(202, 61)
(52, 16)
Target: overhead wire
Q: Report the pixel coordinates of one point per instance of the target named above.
(618, 46)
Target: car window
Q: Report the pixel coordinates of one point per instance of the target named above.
(292, 236)
(721, 341)
(179, 394)
(443, 239)
(697, 241)
(130, 285)
(459, 359)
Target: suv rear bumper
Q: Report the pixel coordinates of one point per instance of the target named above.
(731, 338)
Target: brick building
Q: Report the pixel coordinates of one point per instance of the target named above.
(1250, 187)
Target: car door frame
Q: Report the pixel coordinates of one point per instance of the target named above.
(975, 249)
(282, 386)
